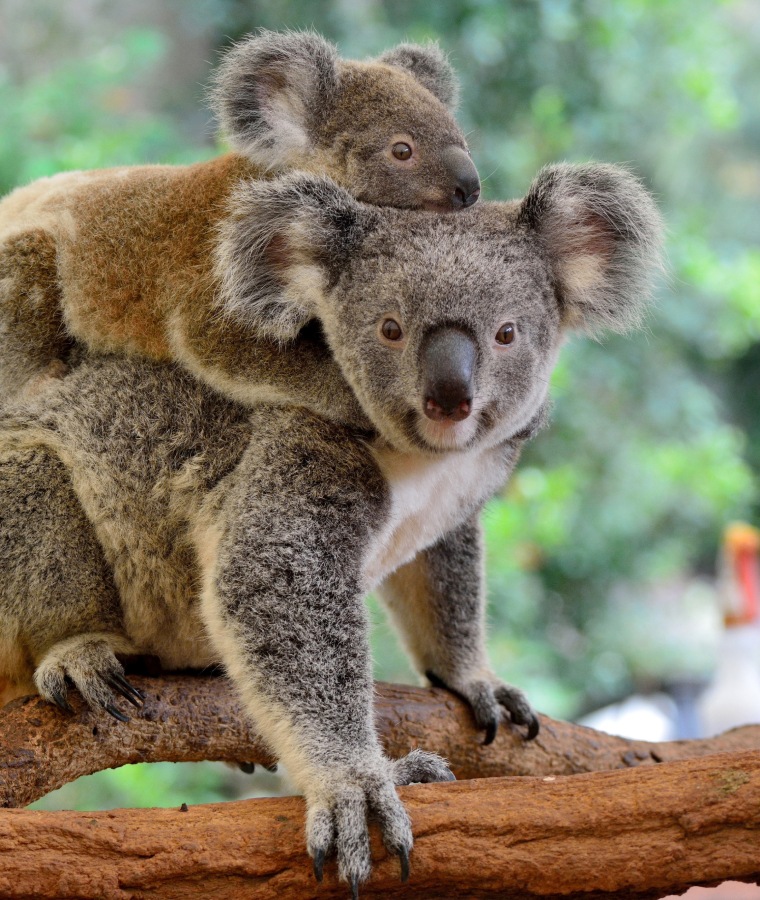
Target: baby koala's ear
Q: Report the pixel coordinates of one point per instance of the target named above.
(603, 235)
(268, 91)
(282, 244)
(430, 66)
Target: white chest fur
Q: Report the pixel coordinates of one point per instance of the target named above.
(430, 496)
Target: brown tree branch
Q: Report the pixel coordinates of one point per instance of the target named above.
(187, 718)
(633, 833)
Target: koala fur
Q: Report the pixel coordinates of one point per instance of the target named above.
(218, 533)
(126, 259)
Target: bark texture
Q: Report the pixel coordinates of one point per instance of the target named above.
(642, 833)
(189, 718)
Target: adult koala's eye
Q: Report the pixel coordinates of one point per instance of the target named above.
(506, 334)
(391, 330)
(401, 150)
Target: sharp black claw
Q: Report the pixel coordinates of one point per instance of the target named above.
(120, 684)
(491, 729)
(249, 768)
(403, 855)
(112, 711)
(319, 865)
(59, 698)
(272, 768)
(533, 728)
(355, 888)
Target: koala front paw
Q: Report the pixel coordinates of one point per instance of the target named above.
(89, 662)
(489, 699)
(337, 818)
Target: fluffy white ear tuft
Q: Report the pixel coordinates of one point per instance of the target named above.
(603, 234)
(430, 66)
(268, 92)
(281, 244)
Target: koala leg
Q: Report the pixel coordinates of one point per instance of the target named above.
(60, 615)
(437, 602)
(35, 343)
(284, 608)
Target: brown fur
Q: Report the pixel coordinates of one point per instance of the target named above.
(123, 260)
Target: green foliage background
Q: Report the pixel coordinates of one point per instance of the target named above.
(595, 546)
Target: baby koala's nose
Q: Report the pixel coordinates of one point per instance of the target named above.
(466, 183)
(464, 197)
(448, 360)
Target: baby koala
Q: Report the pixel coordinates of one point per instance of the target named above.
(127, 259)
(140, 512)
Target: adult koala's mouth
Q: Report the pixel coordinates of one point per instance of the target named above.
(428, 436)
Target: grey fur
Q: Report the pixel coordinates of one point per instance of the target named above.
(270, 91)
(430, 66)
(249, 537)
(601, 211)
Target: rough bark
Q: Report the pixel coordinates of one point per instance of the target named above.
(638, 833)
(187, 718)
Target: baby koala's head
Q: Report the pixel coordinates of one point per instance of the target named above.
(446, 327)
(383, 129)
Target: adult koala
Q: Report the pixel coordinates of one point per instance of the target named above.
(142, 513)
(125, 260)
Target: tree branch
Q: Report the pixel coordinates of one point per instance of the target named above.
(189, 718)
(633, 833)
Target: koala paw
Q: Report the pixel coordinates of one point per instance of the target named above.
(90, 664)
(489, 699)
(337, 819)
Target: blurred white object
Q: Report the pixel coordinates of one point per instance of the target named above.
(638, 718)
(733, 696)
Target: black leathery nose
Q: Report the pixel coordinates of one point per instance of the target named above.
(465, 180)
(449, 355)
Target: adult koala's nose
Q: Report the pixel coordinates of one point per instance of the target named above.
(448, 360)
(464, 177)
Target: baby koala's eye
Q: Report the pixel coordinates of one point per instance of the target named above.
(391, 330)
(401, 150)
(506, 334)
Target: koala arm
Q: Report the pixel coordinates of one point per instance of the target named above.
(437, 601)
(283, 607)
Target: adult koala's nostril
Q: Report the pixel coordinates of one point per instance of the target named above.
(448, 362)
(438, 413)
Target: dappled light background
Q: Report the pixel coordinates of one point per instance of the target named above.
(601, 552)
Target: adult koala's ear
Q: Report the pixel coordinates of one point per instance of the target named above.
(282, 244)
(268, 90)
(603, 235)
(429, 65)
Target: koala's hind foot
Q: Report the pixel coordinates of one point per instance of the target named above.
(489, 699)
(88, 661)
(337, 817)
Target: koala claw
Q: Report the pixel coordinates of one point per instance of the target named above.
(403, 854)
(518, 707)
(488, 700)
(112, 711)
(248, 767)
(337, 821)
(59, 698)
(87, 661)
(130, 693)
(319, 865)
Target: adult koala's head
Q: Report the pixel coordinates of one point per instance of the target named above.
(383, 129)
(446, 327)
